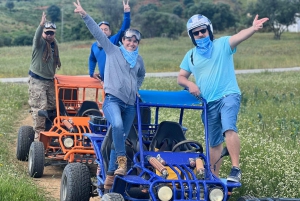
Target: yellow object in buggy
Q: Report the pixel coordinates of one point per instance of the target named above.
(171, 174)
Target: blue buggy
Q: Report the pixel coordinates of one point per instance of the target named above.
(162, 163)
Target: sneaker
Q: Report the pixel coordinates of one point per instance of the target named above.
(235, 175)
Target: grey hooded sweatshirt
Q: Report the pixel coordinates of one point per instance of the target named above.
(121, 81)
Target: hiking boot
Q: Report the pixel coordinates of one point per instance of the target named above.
(122, 168)
(235, 175)
(109, 181)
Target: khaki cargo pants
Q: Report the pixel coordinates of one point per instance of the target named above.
(41, 97)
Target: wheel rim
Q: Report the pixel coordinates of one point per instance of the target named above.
(30, 161)
(64, 188)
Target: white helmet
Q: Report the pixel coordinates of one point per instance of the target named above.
(199, 20)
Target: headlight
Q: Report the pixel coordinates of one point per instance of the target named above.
(68, 142)
(216, 194)
(165, 193)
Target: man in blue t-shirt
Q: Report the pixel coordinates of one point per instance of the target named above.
(211, 63)
(97, 53)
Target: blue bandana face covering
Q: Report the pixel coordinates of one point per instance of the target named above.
(129, 56)
(204, 46)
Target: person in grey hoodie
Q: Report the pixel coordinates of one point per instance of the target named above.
(124, 75)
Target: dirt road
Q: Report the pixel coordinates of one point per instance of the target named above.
(51, 178)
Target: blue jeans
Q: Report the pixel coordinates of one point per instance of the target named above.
(120, 115)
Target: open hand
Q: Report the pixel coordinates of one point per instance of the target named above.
(126, 6)
(79, 9)
(258, 24)
(43, 19)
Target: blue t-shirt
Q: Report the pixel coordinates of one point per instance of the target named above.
(215, 77)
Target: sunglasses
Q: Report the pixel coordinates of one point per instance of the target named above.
(133, 32)
(196, 33)
(51, 33)
(50, 25)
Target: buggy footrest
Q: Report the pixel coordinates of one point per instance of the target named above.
(231, 184)
(133, 179)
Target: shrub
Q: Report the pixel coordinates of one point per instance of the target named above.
(23, 40)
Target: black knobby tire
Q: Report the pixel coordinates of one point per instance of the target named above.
(112, 197)
(75, 183)
(248, 198)
(25, 138)
(36, 159)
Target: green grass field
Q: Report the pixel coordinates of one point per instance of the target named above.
(163, 55)
(268, 121)
(268, 126)
(14, 182)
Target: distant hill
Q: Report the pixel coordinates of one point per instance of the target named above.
(23, 19)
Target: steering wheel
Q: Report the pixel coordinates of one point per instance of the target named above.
(92, 111)
(197, 147)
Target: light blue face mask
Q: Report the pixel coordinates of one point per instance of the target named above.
(204, 46)
(130, 57)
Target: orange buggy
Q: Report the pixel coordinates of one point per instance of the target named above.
(78, 100)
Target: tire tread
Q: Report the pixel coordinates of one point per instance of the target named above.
(78, 182)
(25, 138)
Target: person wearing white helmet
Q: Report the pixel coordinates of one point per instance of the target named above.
(211, 63)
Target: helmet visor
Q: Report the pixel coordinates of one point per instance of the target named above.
(133, 32)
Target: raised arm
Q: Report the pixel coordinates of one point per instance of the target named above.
(247, 33)
(37, 37)
(126, 20)
(125, 24)
(94, 29)
(126, 6)
(43, 20)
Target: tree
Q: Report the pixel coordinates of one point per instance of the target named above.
(187, 2)
(223, 17)
(207, 9)
(147, 8)
(220, 14)
(281, 13)
(5, 41)
(155, 24)
(10, 5)
(112, 11)
(22, 40)
(178, 10)
(79, 32)
(54, 13)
